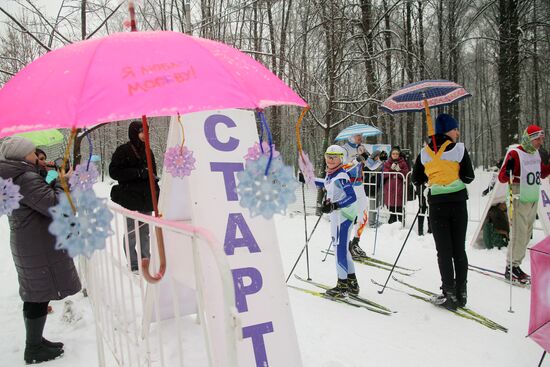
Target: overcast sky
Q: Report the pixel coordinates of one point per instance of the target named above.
(49, 7)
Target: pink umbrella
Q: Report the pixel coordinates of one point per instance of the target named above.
(539, 322)
(137, 74)
(128, 75)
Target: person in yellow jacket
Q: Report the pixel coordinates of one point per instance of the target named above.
(447, 171)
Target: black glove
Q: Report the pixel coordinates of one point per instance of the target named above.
(510, 166)
(328, 207)
(301, 178)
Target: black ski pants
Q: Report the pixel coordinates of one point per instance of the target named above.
(449, 221)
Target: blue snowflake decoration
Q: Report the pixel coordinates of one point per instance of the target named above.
(179, 161)
(84, 232)
(266, 195)
(9, 196)
(84, 178)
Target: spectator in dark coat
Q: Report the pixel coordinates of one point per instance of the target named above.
(393, 184)
(44, 273)
(129, 167)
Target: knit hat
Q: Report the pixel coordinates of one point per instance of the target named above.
(445, 123)
(16, 148)
(534, 132)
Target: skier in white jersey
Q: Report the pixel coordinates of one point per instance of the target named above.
(340, 204)
(524, 164)
(357, 154)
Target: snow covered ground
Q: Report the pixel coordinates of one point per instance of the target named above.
(331, 334)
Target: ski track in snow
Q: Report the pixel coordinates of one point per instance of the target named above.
(332, 334)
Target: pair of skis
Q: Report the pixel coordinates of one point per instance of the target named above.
(496, 275)
(463, 312)
(380, 264)
(351, 300)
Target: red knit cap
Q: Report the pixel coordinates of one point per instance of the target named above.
(534, 132)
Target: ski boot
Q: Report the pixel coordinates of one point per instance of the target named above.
(518, 275)
(340, 291)
(461, 295)
(356, 251)
(447, 299)
(353, 285)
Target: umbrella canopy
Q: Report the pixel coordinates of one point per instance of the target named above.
(411, 97)
(127, 75)
(363, 129)
(539, 321)
(45, 138)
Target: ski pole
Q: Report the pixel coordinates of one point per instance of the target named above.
(542, 358)
(511, 233)
(377, 215)
(303, 248)
(326, 252)
(305, 228)
(400, 251)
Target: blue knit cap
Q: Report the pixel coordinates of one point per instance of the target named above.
(445, 123)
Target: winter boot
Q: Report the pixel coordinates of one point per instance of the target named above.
(47, 343)
(353, 285)
(340, 291)
(35, 350)
(447, 300)
(461, 295)
(354, 249)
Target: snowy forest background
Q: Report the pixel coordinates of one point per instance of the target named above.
(344, 57)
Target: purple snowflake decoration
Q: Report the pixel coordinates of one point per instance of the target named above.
(9, 196)
(266, 195)
(306, 167)
(254, 152)
(179, 161)
(87, 230)
(84, 177)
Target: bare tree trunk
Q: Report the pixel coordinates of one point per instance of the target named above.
(440, 35)
(508, 71)
(366, 25)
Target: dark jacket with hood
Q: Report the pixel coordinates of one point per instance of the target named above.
(44, 273)
(465, 173)
(129, 167)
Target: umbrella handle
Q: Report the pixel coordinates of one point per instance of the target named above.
(298, 138)
(62, 178)
(429, 122)
(158, 231)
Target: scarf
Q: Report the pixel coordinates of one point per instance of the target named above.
(526, 143)
(331, 171)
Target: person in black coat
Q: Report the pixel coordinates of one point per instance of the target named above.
(129, 167)
(447, 172)
(44, 273)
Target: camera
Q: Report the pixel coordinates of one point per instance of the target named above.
(58, 163)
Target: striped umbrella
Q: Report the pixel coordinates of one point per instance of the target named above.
(424, 95)
(363, 129)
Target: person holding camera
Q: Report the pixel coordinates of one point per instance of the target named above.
(129, 167)
(524, 170)
(43, 272)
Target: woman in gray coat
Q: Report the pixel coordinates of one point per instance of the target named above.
(44, 273)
